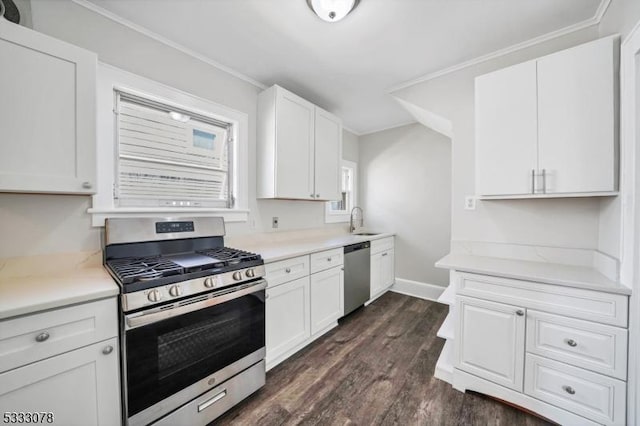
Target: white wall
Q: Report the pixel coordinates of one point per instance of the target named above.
(558, 222)
(59, 223)
(405, 181)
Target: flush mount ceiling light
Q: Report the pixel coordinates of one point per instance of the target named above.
(332, 10)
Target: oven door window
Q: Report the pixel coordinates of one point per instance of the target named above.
(168, 356)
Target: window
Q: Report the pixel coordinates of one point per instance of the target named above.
(165, 152)
(170, 156)
(340, 211)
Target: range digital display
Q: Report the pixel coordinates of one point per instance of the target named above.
(171, 227)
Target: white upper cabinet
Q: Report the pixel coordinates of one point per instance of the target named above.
(506, 130)
(546, 127)
(47, 114)
(576, 118)
(299, 148)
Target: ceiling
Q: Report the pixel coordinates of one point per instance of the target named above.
(348, 67)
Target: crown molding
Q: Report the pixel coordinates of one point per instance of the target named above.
(122, 21)
(393, 126)
(594, 20)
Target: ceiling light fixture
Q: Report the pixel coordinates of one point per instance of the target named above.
(332, 10)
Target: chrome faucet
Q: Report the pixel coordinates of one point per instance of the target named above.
(352, 226)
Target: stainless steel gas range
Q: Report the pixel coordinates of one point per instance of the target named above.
(193, 319)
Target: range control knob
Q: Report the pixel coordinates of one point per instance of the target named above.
(208, 282)
(154, 296)
(175, 291)
(250, 273)
(237, 275)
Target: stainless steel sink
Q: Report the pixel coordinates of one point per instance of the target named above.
(366, 233)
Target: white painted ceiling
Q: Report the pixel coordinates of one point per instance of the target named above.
(347, 67)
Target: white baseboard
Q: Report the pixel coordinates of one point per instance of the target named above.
(417, 289)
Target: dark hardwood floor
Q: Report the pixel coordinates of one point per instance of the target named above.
(376, 368)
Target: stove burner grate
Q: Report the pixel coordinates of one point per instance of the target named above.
(130, 270)
(230, 256)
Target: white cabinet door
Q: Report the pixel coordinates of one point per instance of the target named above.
(47, 113)
(328, 152)
(376, 275)
(287, 317)
(294, 166)
(490, 341)
(387, 269)
(576, 115)
(506, 130)
(327, 298)
(80, 387)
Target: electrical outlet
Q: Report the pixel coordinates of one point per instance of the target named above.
(274, 222)
(470, 202)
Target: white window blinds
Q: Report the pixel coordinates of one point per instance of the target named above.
(169, 156)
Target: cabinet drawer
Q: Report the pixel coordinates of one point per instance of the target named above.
(286, 270)
(327, 259)
(597, 397)
(381, 245)
(606, 308)
(596, 347)
(31, 338)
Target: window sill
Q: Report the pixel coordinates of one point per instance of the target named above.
(98, 216)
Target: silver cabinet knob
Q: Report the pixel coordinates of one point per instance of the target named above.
(328, 259)
(572, 343)
(312, 195)
(288, 270)
(42, 337)
(519, 312)
(107, 350)
(569, 390)
(87, 185)
(317, 195)
(175, 290)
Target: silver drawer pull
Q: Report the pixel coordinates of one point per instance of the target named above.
(42, 337)
(328, 259)
(212, 401)
(107, 350)
(385, 254)
(288, 270)
(569, 390)
(519, 312)
(572, 343)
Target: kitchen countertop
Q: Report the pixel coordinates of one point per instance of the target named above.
(545, 272)
(52, 281)
(284, 245)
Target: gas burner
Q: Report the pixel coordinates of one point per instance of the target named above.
(130, 270)
(229, 255)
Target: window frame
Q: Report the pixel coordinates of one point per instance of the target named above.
(340, 216)
(104, 203)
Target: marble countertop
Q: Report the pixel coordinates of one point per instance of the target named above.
(551, 273)
(36, 283)
(283, 245)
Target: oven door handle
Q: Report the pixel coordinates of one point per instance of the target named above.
(145, 318)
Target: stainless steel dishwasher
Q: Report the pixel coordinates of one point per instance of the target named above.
(357, 264)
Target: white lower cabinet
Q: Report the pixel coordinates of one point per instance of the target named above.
(569, 368)
(382, 266)
(287, 318)
(64, 362)
(80, 387)
(491, 341)
(327, 298)
(305, 299)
